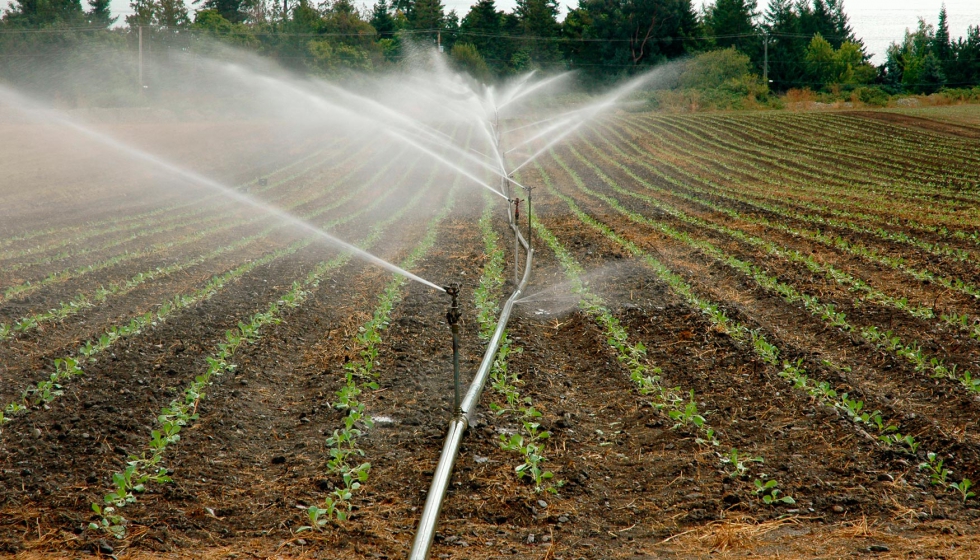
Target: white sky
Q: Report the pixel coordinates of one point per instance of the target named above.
(878, 22)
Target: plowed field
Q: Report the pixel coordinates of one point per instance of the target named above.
(748, 334)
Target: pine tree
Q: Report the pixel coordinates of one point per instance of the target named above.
(144, 13)
(232, 10)
(843, 33)
(786, 47)
(381, 20)
(965, 70)
(172, 15)
(99, 14)
(538, 21)
(931, 77)
(731, 23)
(44, 13)
(426, 17)
(941, 46)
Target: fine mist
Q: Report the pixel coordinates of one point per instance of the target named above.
(199, 144)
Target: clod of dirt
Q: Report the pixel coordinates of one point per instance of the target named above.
(278, 460)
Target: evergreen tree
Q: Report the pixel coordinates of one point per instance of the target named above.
(893, 68)
(843, 33)
(931, 76)
(538, 22)
(731, 23)
(940, 43)
(426, 18)
(782, 26)
(481, 28)
(450, 30)
(610, 38)
(819, 19)
(44, 13)
(381, 20)
(234, 11)
(965, 69)
(172, 15)
(144, 13)
(99, 14)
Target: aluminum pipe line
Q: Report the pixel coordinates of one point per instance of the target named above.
(454, 437)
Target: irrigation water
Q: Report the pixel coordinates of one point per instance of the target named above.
(411, 108)
(14, 99)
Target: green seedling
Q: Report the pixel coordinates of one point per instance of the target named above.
(770, 494)
(738, 464)
(934, 466)
(963, 487)
(109, 522)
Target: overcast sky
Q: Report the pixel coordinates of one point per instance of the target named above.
(878, 22)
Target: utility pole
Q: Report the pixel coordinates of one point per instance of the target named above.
(439, 41)
(141, 60)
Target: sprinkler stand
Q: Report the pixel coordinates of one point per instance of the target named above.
(452, 317)
(529, 218)
(517, 246)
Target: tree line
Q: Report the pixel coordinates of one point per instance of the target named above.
(792, 44)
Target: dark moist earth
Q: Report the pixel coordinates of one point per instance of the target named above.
(631, 486)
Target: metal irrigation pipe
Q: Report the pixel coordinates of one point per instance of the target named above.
(454, 436)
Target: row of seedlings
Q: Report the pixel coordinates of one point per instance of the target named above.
(83, 301)
(823, 392)
(862, 290)
(175, 212)
(693, 153)
(47, 390)
(530, 440)
(679, 406)
(360, 374)
(146, 468)
(827, 179)
(28, 287)
(838, 219)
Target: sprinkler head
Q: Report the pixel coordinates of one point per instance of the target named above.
(453, 315)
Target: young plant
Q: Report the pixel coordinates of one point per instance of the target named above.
(934, 466)
(770, 494)
(963, 487)
(738, 464)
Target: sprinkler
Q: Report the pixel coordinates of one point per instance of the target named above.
(517, 247)
(528, 218)
(452, 317)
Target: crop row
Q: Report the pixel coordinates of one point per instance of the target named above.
(682, 410)
(916, 173)
(860, 250)
(47, 390)
(362, 374)
(530, 440)
(910, 351)
(692, 152)
(159, 215)
(145, 468)
(822, 391)
(959, 321)
(28, 287)
(176, 211)
(932, 190)
(820, 184)
(82, 301)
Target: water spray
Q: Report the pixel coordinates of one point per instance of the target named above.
(198, 179)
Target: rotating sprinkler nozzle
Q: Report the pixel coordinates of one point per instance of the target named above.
(452, 317)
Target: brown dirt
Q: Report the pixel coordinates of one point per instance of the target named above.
(633, 485)
(919, 122)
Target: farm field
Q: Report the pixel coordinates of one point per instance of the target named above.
(746, 334)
